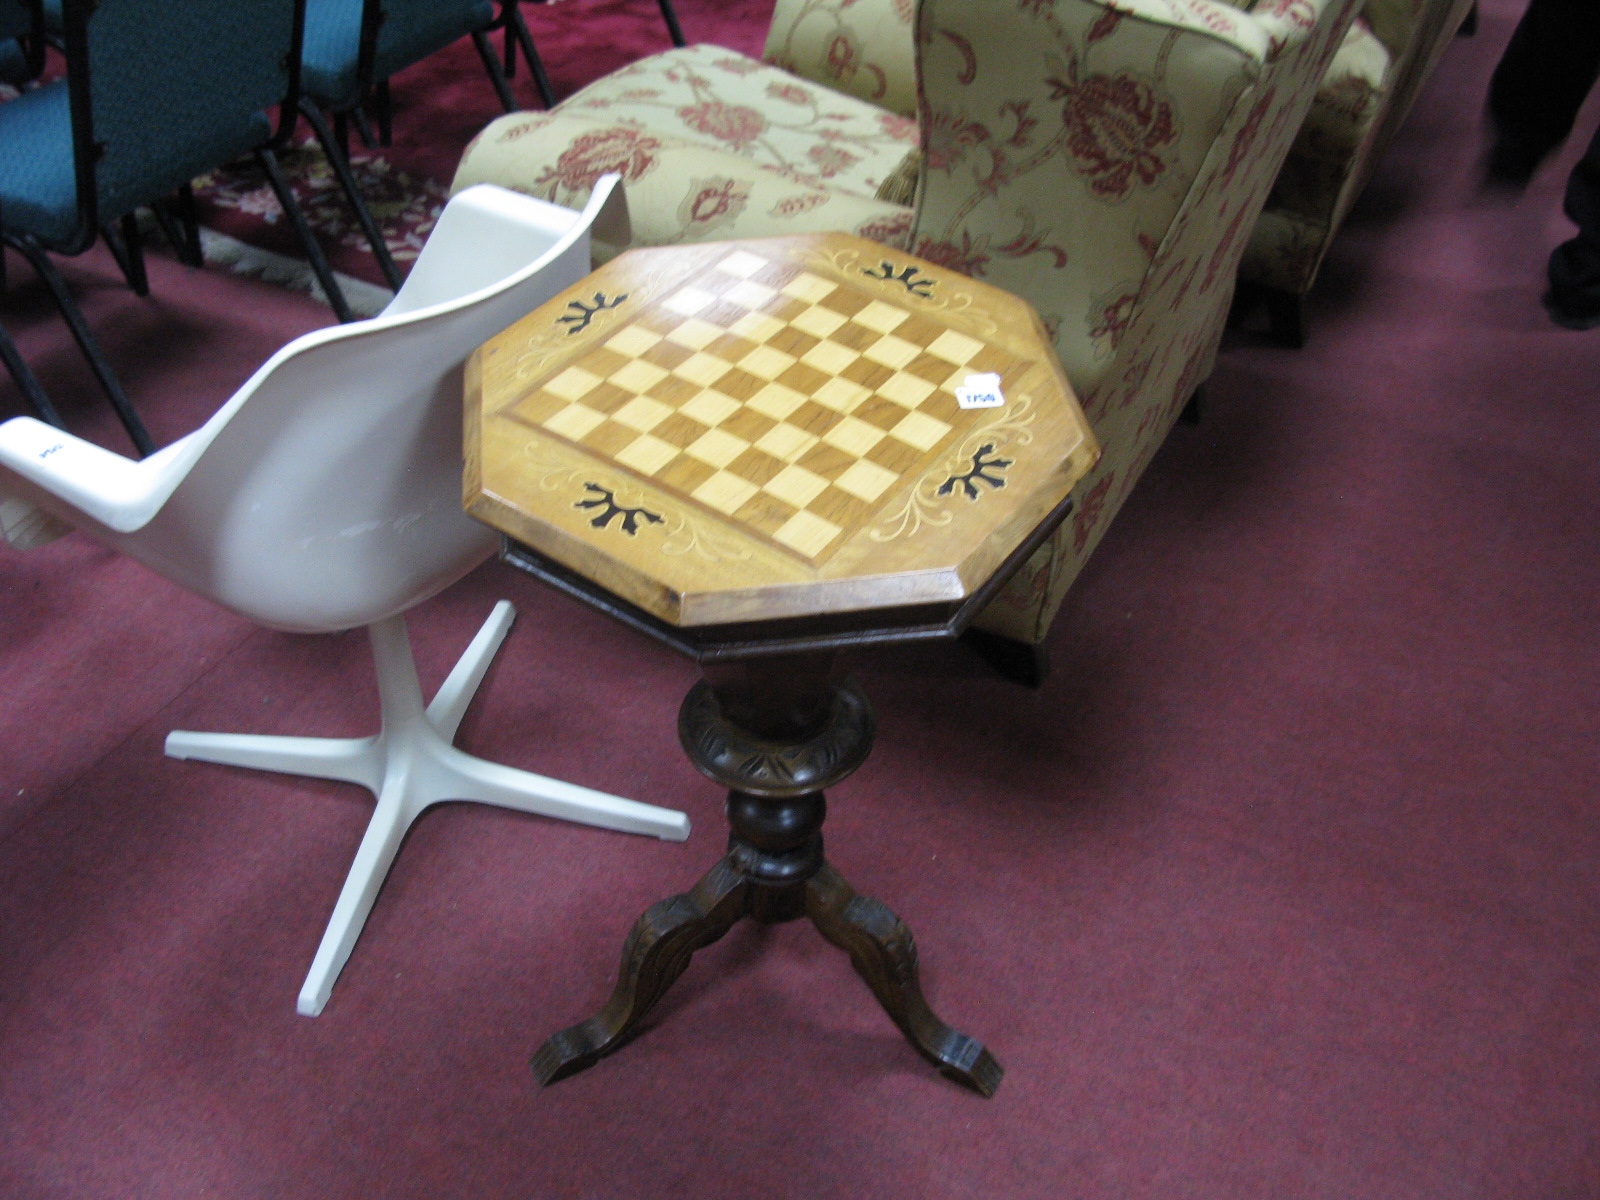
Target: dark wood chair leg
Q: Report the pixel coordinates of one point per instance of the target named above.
(1020, 662)
(1286, 318)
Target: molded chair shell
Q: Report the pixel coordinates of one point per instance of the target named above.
(326, 494)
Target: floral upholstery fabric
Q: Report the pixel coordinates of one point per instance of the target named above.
(1104, 162)
(863, 48)
(710, 145)
(1385, 59)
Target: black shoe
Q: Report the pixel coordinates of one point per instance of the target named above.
(1570, 318)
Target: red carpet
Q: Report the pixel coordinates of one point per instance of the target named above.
(1284, 886)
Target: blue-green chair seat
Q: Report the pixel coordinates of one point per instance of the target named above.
(411, 30)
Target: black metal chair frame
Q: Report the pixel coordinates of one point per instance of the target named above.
(516, 34)
(127, 248)
(372, 93)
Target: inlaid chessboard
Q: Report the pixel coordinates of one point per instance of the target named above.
(782, 407)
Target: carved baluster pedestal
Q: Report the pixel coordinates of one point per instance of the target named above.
(776, 732)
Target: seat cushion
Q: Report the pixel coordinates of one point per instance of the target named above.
(724, 100)
(710, 145)
(678, 190)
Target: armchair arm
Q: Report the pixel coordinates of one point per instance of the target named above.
(68, 477)
(864, 48)
(1061, 143)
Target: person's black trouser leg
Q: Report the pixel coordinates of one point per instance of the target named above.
(1548, 68)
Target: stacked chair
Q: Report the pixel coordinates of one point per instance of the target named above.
(1388, 54)
(326, 495)
(156, 92)
(1105, 161)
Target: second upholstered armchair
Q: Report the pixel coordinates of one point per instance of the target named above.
(1106, 163)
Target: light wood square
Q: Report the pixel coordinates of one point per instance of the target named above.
(892, 352)
(818, 322)
(694, 334)
(829, 357)
(647, 454)
(710, 408)
(796, 485)
(632, 340)
(808, 287)
(688, 301)
(885, 318)
(574, 421)
(840, 395)
(749, 293)
(702, 368)
(906, 389)
(642, 413)
(573, 384)
(853, 436)
(807, 533)
(766, 363)
(787, 442)
(741, 263)
(776, 401)
(724, 491)
(717, 447)
(920, 430)
(757, 327)
(638, 376)
(955, 347)
(866, 480)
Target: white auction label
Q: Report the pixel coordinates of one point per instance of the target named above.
(980, 391)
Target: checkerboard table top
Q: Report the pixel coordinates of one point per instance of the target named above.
(784, 427)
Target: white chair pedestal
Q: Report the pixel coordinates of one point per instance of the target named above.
(410, 765)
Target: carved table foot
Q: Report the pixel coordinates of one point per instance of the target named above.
(656, 953)
(884, 954)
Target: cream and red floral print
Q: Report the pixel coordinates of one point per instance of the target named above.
(717, 98)
(1104, 161)
(1386, 57)
(1107, 163)
(862, 48)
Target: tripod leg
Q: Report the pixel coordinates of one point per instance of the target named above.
(656, 953)
(883, 953)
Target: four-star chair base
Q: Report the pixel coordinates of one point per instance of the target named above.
(411, 765)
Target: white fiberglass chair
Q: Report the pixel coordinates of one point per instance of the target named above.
(325, 495)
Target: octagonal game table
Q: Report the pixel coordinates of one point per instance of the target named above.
(764, 453)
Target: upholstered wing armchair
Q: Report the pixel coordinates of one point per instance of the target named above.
(1386, 56)
(1105, 162)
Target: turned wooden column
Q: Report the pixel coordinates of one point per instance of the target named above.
(776, 732)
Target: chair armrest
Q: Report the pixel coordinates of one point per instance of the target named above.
(1061, 143)
(864, 48)
(69, 477)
